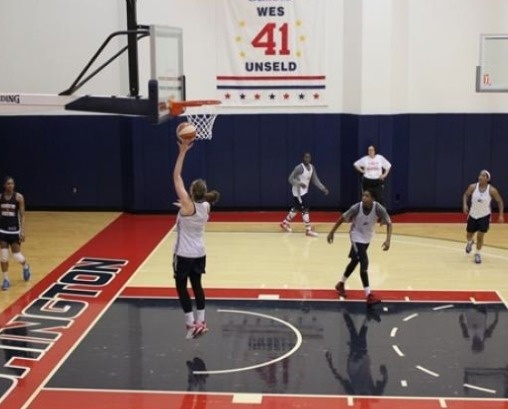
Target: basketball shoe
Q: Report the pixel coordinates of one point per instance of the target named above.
(477, 258)
(469, 247)
(26, 273)
(286, 226)
(200, 329)
(310, 232)
(6, 284)
(341, 289)
(190, 331)
(372, 299)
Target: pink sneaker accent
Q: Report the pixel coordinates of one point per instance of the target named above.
(286, 226)
(200, 329)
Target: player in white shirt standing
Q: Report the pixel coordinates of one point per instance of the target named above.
(300, 178)
(363, 217)
(480, 212)
(189, 256)
(374, 169)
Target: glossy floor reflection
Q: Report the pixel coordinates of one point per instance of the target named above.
(300, 347)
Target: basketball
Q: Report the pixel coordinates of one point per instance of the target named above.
(186, 131)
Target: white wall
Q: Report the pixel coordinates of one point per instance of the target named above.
(384, 56)
(45, 44)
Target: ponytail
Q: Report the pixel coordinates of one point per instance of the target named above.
(212, 196)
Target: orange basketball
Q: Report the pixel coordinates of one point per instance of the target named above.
(186, 131)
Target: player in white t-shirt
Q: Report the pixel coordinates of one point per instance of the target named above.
(363, 217)
(374, 169)
(189, 256)
(479, 214)
(300, 178)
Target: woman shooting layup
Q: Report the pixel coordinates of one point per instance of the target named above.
(189, 259)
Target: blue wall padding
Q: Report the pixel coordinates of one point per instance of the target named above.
(126, 163)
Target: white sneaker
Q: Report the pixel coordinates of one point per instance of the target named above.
(311, 233)
(286, 226)
(190, 331)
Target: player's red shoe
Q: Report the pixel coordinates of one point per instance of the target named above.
(372, 299)
(341, 289)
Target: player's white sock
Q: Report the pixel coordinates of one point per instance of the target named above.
(200, 316)
(189, 319)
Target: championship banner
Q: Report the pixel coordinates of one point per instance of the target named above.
(271, 52)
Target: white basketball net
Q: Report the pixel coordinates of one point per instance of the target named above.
(202, 120)
(203, 123)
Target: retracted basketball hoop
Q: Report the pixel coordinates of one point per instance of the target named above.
(200, 112)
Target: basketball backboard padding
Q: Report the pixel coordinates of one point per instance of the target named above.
(120, 105)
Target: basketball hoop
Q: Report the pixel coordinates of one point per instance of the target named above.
(200, 112)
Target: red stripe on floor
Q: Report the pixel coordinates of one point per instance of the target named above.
(65, 399)
(313, 294)
(131, 238)
(331, 217)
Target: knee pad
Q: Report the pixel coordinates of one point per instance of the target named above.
(19, 257)
(4, 255)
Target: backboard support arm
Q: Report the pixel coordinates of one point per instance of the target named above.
(77, 84)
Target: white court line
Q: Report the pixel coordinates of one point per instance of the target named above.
(298, 344)
(249, 398)
(410, 317)
(443, 307)
(419, 242)
(472, 299)
(442, 403)
(393, 332)
(406, 298)
(350, 401)
(427, 371)
(397, 350)
(478, 388)
(269, 296)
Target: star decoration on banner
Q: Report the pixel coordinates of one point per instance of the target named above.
(273, 96)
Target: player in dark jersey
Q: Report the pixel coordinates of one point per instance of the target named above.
(12, 233)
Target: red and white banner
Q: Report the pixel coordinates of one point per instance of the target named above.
(271, 52)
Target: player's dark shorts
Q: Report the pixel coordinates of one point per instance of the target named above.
(184, 267)
(358, 250)
(482, 224)
(10, 238)
(302, 206)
